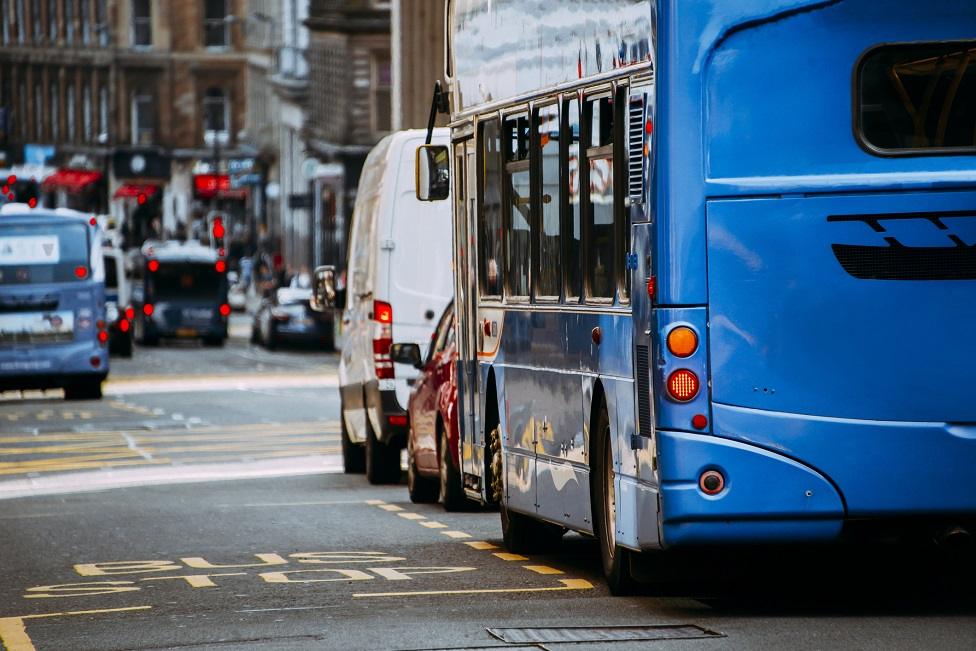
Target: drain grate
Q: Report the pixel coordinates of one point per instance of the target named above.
(571, 634)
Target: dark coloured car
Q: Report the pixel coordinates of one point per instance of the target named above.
(432, 444)
(286, 318)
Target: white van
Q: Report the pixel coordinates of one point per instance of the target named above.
(399, 280)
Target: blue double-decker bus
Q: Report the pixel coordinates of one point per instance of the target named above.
(53, 332)
(715, 269)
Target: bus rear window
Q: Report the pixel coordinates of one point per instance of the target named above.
(918, 98)
(180, 281)
(32, 254)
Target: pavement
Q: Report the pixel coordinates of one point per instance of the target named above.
(201, 505)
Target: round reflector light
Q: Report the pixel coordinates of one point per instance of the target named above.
(682, 341)
(699, 421)
(683, 385)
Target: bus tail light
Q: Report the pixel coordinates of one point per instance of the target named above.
(383, 340)
(148, 309)
(102, 332)
(124, 325)
(682, 342)
(683, 385)
(81, 272)
(154, 266)
(225, 310)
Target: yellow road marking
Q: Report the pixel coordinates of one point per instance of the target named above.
(505, 556)
(412, 516)
(432, 524)
(455, 534)
(568, 584)
(14, 636)
(542, 569)
(390, 507)
(477, 544)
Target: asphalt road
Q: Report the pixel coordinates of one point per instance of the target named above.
(200, 505)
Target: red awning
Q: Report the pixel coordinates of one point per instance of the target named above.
(73, 181)
(134, 191)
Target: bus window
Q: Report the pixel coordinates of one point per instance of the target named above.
(600, 172)
(913, 98)
(518, 214)
(550, 254)
(490, 217)
(574, 212)
(57, 254)
(193, 281)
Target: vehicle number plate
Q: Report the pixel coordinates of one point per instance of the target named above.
(186, 332)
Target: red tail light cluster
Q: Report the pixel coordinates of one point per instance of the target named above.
(683, 385)
(102, 331)
(383, 340)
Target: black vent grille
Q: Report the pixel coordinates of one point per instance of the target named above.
(643, 391)
(635, 149)
(907, 263)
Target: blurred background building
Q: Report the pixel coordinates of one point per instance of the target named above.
(160, 112)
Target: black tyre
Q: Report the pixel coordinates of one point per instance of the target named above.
(125, 346)
(450, 484)
(382, 461)
(353, 456)
(214, 342)
(423, 490)
(88, 389)
(255, 335)
(271, 342)
(603, 499)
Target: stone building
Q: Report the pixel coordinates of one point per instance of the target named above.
(148, 96)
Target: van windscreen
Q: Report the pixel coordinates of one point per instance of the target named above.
(175, 281)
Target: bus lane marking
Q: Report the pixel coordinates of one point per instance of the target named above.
(13, 631)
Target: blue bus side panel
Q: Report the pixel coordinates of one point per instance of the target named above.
(768, 497)
(793, 331)
(881, 468)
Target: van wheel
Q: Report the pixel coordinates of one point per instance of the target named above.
(353, 456)
(603, 498)
(382, 461)
(423, 490)
(451, 488)
(84, 390)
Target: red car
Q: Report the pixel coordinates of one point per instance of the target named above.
(432, 444)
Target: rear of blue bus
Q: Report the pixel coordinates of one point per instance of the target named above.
(52, 322)
(831, 276)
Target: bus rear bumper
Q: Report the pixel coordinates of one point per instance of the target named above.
(51, 367)
(767, 497)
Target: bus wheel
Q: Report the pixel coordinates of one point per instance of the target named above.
(616, 559)
(422, 490)
(84, 390)
(382, 461)
(451, 488)
(353, 456)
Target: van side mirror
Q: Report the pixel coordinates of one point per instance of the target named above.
(325, 296)
(433, 174)
(406, 354)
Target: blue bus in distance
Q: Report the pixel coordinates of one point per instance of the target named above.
(715, 269)
(53, 332)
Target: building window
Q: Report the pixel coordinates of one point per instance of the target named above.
(143, 118)
(141, 23)
(87, 118)
(38, 112)
(382, 93)
(103, 114)
(55, 116)
(20, 18)
(5, 21)
(84, 15)
(69, 21)
(215, 24)
(52, 20)
(70, 112)
(38, 31)
(101, 22)
(216, 116)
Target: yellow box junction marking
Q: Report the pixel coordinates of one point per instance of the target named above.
(13, 633)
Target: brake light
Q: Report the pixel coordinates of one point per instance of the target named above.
(682, 341)
(130, 313)
(102, 336)
(123, 325)
(32, 202)
(154, 266)
(383, 340)
(383, 312)
(102, 332)
(148, 309)
(221, 266)
(11, 179)
(397, 420)
(93, 221)
(683, 385)
(225, 310)
(81, 272)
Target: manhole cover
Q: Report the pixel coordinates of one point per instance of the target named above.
(601, 634)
